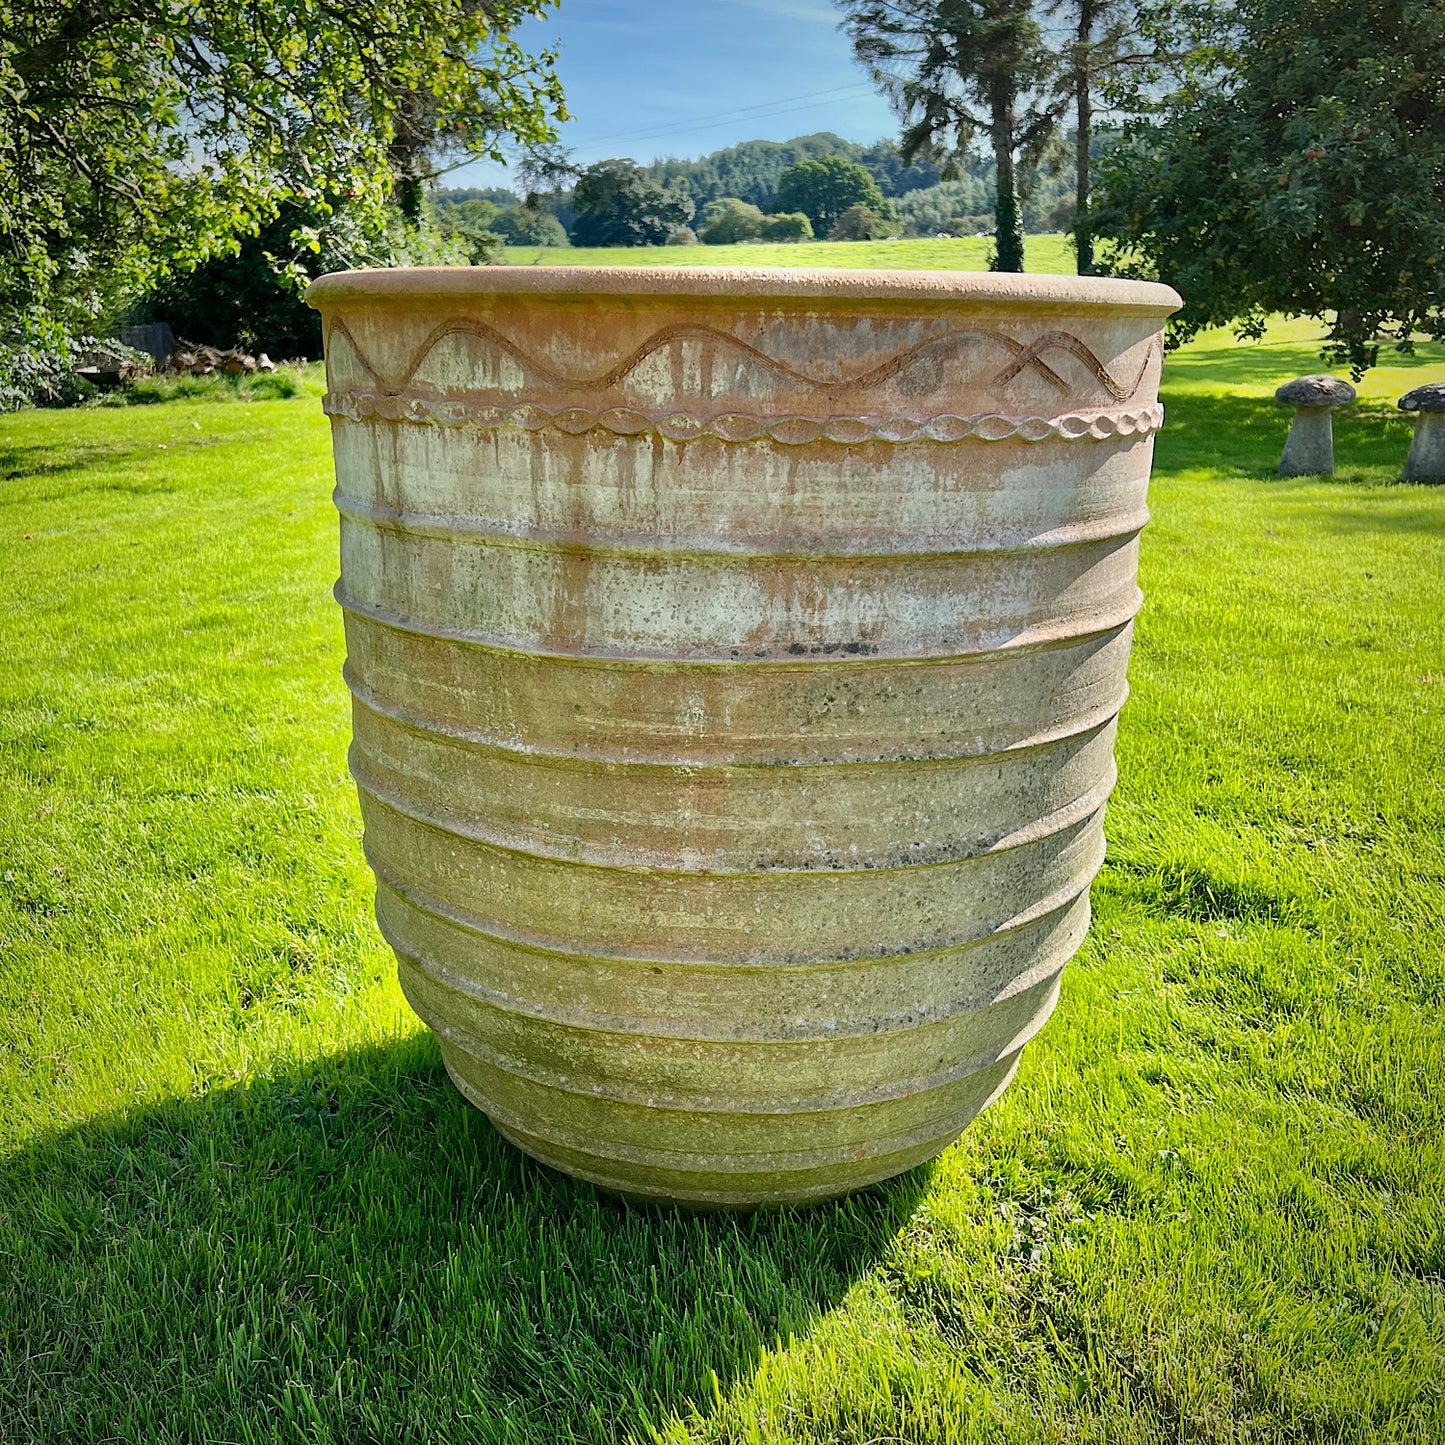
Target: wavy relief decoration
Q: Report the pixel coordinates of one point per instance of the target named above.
(736, 427)
(1021, 357)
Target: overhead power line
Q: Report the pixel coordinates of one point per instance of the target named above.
(756, 112)
(721, 115)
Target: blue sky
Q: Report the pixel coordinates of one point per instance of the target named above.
(649, 78)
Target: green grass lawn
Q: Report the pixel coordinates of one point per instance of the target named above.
(966, 253)
(240, 1201)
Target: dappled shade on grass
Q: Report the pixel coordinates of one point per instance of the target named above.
(1230, 436)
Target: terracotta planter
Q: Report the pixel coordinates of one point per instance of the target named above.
(736, 658)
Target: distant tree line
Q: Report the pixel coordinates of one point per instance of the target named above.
(812, 187)
(751, 171)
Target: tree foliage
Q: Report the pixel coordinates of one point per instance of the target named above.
(139, 138)
(823, 189)
(955, 69)
(1299, 169)
(959, 207)
(235, 300)
(896, 177)
(472, 226)
(751, 171)
(619, 204)
(786, 226)
(862, 223)
(529, 226)
(727, 221)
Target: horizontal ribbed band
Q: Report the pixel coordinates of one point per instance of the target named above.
(1044, 635)
(633, 758)
(440, 526)
(617, 1079)
(704, 1193)
(873, 1143)
(500, 932)
(619, 858)
(503, 938)
(760, 1028)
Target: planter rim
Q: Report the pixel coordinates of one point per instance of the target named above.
(734, 282)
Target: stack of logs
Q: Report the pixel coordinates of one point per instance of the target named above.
(193, 360)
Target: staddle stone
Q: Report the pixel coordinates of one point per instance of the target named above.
(1310, 447)
(1426, 459)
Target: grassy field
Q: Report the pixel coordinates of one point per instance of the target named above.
(965, 253)
(239, 1200)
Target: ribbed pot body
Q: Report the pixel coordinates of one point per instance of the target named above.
(736, 660)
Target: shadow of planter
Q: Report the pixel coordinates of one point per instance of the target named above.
(349, 1251)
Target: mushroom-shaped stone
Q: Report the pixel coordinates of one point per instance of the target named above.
(1310, 450)
(1426, 462)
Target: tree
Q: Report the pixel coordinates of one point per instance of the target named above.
(1300, 169)
(786, 226)
(956, 207)
(1099, 30)
(547, 175)
(823, 189)
(861, 223)
(727, 221)
(954, 69)
(240, 299)
(620, 205)
(1125, 52)
(473, 225)
(529, 226)
(138, 138)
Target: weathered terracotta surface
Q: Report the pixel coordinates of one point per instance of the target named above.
(736, 658)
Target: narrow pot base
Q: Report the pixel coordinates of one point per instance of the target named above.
(749, 1194)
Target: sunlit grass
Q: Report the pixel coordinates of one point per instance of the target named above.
(964, 253)
(240, 1201)
(1289, 349)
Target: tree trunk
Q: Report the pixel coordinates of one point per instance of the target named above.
(410, 193)
(1008, 219)
(408, 153)
(1084, 122)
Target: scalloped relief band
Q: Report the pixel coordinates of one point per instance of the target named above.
(735, 427)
